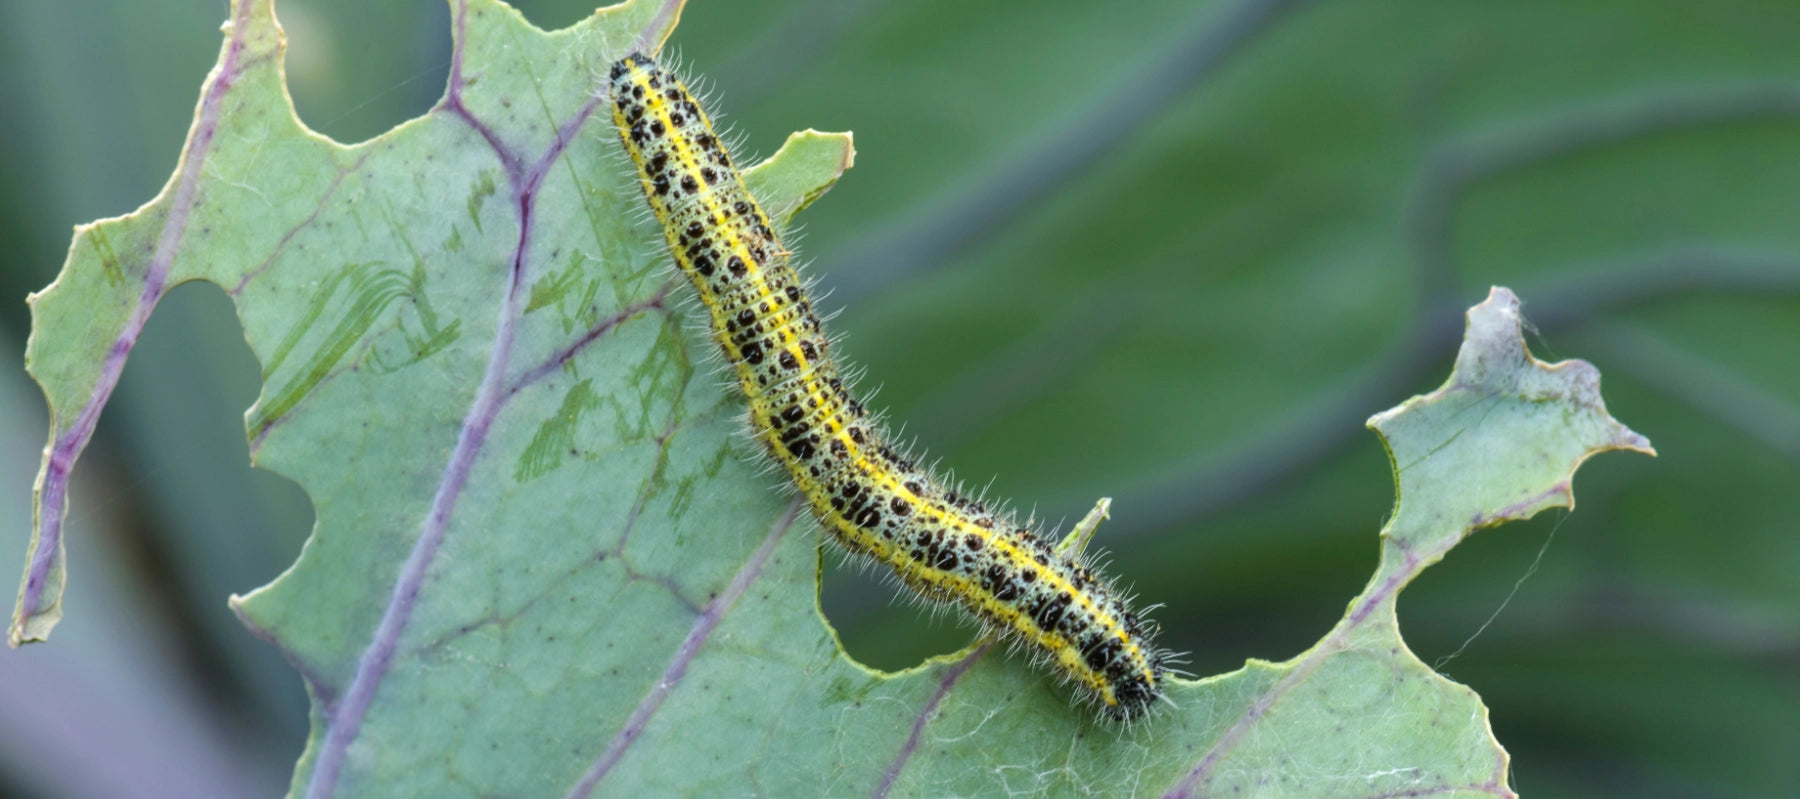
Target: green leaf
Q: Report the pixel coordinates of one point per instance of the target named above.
(544, 564)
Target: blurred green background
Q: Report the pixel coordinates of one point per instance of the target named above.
(1177, 253)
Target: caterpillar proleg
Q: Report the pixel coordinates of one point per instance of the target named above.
(867, 496)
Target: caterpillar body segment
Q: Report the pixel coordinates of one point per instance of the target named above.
(868, 496)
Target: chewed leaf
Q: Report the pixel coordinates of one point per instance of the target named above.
(1521, 425)
(1499, 441)
(546, 564)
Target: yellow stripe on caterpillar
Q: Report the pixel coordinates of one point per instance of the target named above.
(867, 496)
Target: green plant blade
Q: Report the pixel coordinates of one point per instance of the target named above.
(544, 564)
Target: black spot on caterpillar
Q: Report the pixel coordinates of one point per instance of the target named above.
(867, 497)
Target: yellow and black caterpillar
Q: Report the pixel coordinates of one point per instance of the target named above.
(871, 499)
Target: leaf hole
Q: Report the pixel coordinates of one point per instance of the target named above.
(358, 69)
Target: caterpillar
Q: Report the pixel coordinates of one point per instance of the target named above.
(868, 497)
